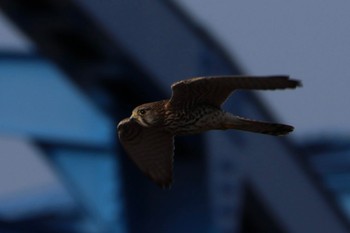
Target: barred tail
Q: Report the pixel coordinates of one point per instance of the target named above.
(240, 123)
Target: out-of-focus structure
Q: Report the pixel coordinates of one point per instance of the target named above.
(61, 167)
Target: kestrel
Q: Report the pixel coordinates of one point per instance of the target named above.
(194, 107)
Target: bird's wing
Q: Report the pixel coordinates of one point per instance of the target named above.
(151, 149)
(214, 90)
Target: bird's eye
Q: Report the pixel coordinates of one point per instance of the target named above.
(142, 112)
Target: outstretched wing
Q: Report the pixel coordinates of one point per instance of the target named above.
(214, 90)
(151, 149)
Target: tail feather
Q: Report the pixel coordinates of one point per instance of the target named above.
(240, 123)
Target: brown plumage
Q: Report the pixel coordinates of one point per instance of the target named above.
(194, 107)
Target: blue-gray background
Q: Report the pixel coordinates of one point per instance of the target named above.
(59, 168)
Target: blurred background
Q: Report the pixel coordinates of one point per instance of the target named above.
(70, 70)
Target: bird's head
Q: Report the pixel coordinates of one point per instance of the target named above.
(146, 115)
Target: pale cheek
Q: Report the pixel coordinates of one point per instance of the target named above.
(150, 119)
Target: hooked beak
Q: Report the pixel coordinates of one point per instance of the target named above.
(133, 116)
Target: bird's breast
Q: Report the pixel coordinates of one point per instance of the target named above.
(192, 120)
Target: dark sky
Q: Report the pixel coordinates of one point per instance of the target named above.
(12, 39)
(308, 40)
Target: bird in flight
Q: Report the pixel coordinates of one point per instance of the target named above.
(194, 107)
